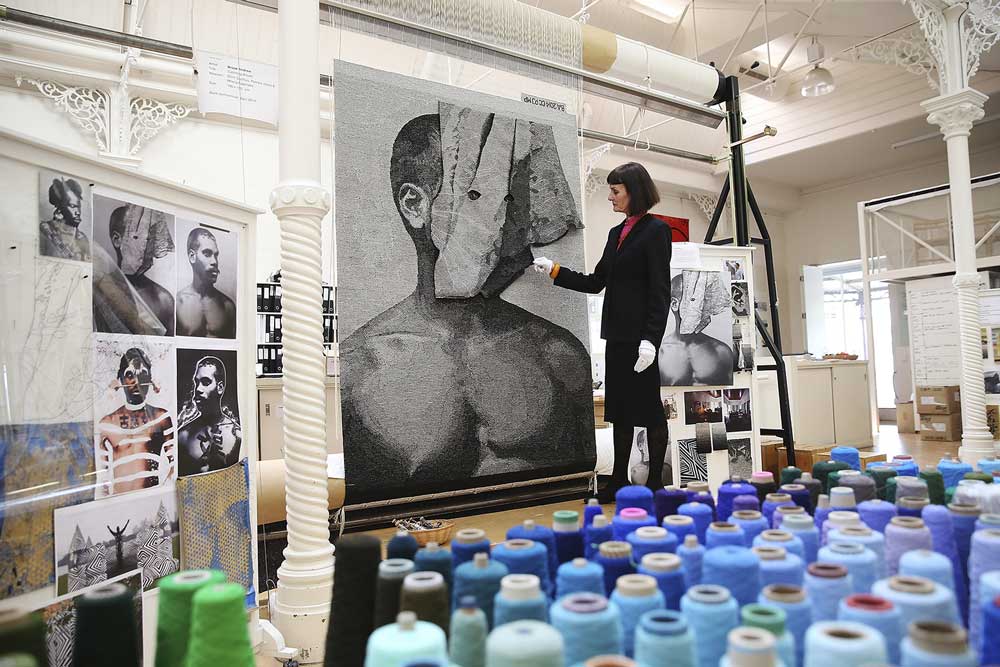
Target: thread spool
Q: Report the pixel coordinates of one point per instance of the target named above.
(402, 545)
(692, 557)
(634, 496)
(667, 500)
(932, 644)
(822, 470)
(711, 612)
(782, 512)
(876, 514)
(702, 516)
(861, 563)
(694, 488)
(842, 498)
(434, 558)
(629, 519)
(426, 595)
(705, 498)
(590, 510)
(952, 470)
(773, 501)
(881, 476)
(984, 556)
(402, 642)
(635, 594)
(963, 517)
(568, 535)
(777, 566)
(219, 634)
(728, 493)
(466, 544)
(912, 506)
(988, 521)
(799, 493)
(840, 643)
(905, 465)
(388, 586)
(989, 645)
(814, 486)
(23, 634)
(610, 661)
(862, 485)
(664, 639)
(985, 478)
(849, 455)
(822, 511)
(468, 632)
(616, 560)
(746, 502)
(781, 538)
(173, 628)
(480, 578)
(789, 474)
(918, 599)
(529, 530)
(928, 564)
(522, 556)
(651, 539)
(589, 625)
(877, 613)
(751, 522)
(763, 482)
(772, 619)
(524, 643)
(802, 527)
(911, 487)
(352, 610)
(934, 480)
(594, 535)
(721, 533)
(794, 601)
(680, 526)
(988, 465)
(750, 647)
(734, 567)
(666, 570)
(827, 584)
(520, 599)
(989, 590)
(863, 535)
(579, 576)
(901, 535)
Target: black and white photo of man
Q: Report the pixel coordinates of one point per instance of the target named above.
(202, 308)
(697, 348)
(735, 268)
(65, 219)
(210, 437)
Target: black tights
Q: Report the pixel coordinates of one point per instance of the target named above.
(656, 441)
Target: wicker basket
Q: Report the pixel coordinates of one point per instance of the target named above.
(440, 535)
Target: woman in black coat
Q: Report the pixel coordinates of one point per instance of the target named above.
(634, 273)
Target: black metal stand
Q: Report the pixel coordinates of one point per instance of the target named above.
(743, 198)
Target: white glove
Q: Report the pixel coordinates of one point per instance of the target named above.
(544, 265)
(647, 353)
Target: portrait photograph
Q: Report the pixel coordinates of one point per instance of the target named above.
(209, 435)
(135, 268)
(703, 407)
(697, 347)
(65, 218)
(135, 420)
(207, 268)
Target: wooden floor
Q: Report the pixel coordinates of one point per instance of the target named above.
(926, 453)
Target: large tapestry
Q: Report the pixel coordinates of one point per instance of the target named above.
(459, 368)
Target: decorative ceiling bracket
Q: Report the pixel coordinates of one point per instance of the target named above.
(591, 183)
(88, 107)
(907, 49)
(706, 203)
(957, 34)
(980, 31)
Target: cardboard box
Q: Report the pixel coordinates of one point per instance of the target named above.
(905, 418)
(947, 428)
(938, 400)
(806, 456)
(769, 456)
(866, 457)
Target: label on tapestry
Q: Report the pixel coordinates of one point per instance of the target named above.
(237, 87)
(542, 102)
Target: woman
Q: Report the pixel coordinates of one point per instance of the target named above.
(634, 271)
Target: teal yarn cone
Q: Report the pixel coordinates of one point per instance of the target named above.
(579, 576)
(402, 545)
(434, 558)
(663, 639)
(634, 595)
(106, 632)
(405, 641)
(711, 612)
(480, 578)
(468, 634)
(525, 644)
(589, 624)
(520, 599)
(529, 530)
(173, 625)
(219, 634)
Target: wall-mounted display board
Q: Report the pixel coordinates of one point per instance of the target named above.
(127, 412)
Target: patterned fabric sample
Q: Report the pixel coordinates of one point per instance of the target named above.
(214, 511)
(694, 465)
(32, 455)
(740, 458)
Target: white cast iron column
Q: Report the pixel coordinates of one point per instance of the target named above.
(956, 36)
(305, 578)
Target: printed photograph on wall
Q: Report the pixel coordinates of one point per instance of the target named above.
(65, 220)
(992, 381)
(993, 420)
(995, 335)
(694, 464)
(736, 270)
(741, 300)
(459, 365)
(135, 268)
(209, 436)
(103, 539)
(740, 458)
(703, 407)
(670, 407)
(638, 462)
(720, 438)
(206, 280)
(737, 409)
(697, 348)
(984, 340)
(134, 415)
(703, 437)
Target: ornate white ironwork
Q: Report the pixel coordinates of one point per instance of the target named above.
(591, 183)
(88, 107)
(706, 203)
(907, 49)
(934, 27)
(149, 116)
(980, 31)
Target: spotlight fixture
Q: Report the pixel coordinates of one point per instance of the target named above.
(819, 80)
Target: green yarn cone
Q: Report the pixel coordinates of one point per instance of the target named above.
(935, 485)
(790, 474)
(219, 634)
(23, 633)
(18, 660)
(985, 477)
(173, 628)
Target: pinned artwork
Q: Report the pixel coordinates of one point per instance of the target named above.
(679, 232)
(638, 462)
(720, 439)
(206, 280)
(209, 435)
(694, 464)
(459, 369)
(697, 348)
(215, 523)
(101, 540)
(134, 413)
(741, 300)
(65, 218)
(54, 457)
(737, 409)
(740, 458)
(703, 407)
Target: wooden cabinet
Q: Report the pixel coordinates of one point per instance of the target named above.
(270, 410)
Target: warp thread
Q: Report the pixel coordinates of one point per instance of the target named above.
(579, 576)
(876, 514)
(918, 599)
(664, 639)
(523, 556)
(525, 644)
(352, 612)
(692, 557)
(520, 599)
(728, 493)
(735, 568)
(827, 584)
(702, 516)
(721, 533)
(901, 535)
(861, 563)
(480, 578)
(634, 595)
(751, 522)
(711, 612)
(589, 625)
(402, 545)
(840, 643)
(877, 613)
(984, 556)
(634, 495)
(848, 455)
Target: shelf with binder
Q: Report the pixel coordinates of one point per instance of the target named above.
(269, 328)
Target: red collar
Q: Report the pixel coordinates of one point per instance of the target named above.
(629, 224)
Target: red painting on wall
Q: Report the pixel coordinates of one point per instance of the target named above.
(678, 227)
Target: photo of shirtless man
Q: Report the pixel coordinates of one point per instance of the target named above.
(210, 437)
(202, 309)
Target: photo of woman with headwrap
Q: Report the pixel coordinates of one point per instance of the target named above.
(64, 217)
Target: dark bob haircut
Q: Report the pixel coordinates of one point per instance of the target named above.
(642, 192)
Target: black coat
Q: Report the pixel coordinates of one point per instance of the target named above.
(636, 280)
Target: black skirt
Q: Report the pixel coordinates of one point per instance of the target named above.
(630, 398)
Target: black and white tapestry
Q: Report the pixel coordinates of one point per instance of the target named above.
(697, 348)
(65, 220)
(459, 367)
(209, 435)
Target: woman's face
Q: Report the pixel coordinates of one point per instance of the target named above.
(618, 196)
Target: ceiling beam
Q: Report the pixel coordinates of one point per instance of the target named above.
(779, 25)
